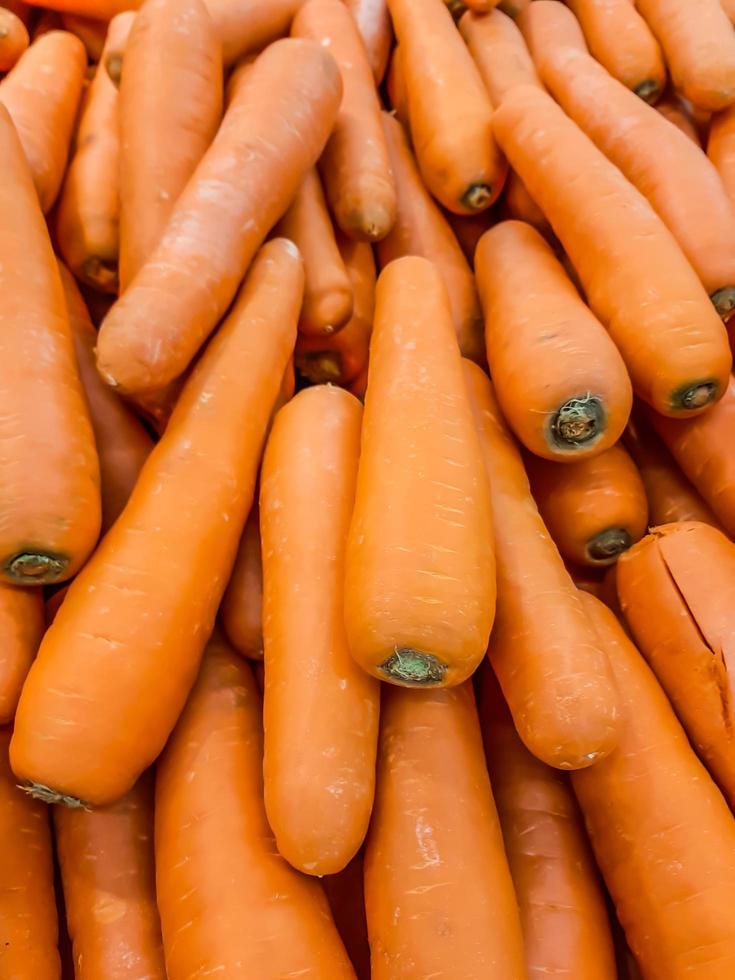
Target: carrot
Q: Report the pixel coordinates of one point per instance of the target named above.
(420, 550)
(327, 291)
(100, 9)
(450, 111)
(346, 896)
(118, 32)
(28, 921)
(21, 627)
(13, 38)
(674, 111)
(100, 673)
(565, 925)
(358, 386)
(513, 7)
(469, 228)
(90, 31)
(374, 24)
(395, 87)
(318, 794)
(21, 9)
(272, 133)
(108, 874)
(721, 148)
(595, 509)
(553, 674)
(354, 166)
(247, 26)
(435, 851)
(518, 205)
(678, 180)
(661, 832)
(241, 609)
(636, 279)
(729, 7)
(559, 379)
(699, 47)
(170, 108)
(421, 229)
(500, 53)
(210, 858)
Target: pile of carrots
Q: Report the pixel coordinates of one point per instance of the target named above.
(322, 654)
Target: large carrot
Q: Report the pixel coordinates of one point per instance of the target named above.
(374, 24)
(13, 38)
(500, 53)
(241, 611)
(319, 792)
(552, 671)
(421, 229)
(636, 279)
(273, 131)
(435, 851)
(124, 649)
(451, 113)
(108, 875)
(420, 551)
(662, 834)
(354, 166)
(395, 88)
(559, 378)
(215, 850)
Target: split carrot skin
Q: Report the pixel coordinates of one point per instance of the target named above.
(328, 295)
(13, 38)
(118, 32)
(674, 111)
(124, 649)
(662, 834)
(551, 669)
(318, 793)
(241, 611)
(635, 277)
(374, 24)
(21, 627)
(421, 229)
(109, 881)
(451, 113)
(354, 166)
(272, 133)
(210, 858)
(420, 550)
(170, 108)
(594, 509)
(500, 53)
(560, 381)
(435, 850)
(91, 31)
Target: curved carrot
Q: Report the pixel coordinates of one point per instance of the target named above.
(420, 551)
(500, 53)
(21, 627)
(248, 26)
(115, 668)
(636, 279)
(13, 38)
(435, 851)
(91, 31)
(318, 794)
(214, 857)
(450, 111)
(346, 895)
(662, 834)
(242, 603)
(421, 229)
(560, 381)
(118, 31)
(674, 111)
(374, 24)
(108, 875)
(272, 133)
(552, 671)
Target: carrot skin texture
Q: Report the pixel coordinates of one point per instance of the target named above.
(164, 585)
(277, 124)
(21, 627)
(500, 53)
(13, 39)
(224, 856)
(241, 609)
(374, 24)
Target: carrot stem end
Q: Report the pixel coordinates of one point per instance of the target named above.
(605, 547)
(34, 568)
(413, 668)
(696, 395)
(47, 795)
(648, 90)
(724, 301)
(578, 422)
(477, 197)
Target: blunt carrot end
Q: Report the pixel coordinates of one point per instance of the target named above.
(477, 197)
(605, 547)
(35, 568)
(578, 421)
(724, 301)
(47, 795)
(649, 90)
(696, 395)
(413, 668)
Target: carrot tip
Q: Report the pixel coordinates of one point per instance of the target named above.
(47, 795)
(101, 274)
(413, 668)
(605, 547)
(456, 8)
(648, 90)
(477, 197)
(724, 301)
(32, 568)
(578, 422)
(114, 67)
(320, 366)
(696, 395)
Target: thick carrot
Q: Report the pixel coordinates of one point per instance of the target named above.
(247, 26)
(421, 229)
(118, 32)
(318, 793)
(500, 53)
(170, 108)
(721, 148)
(328, 295)
(109, 880)
(374, 24)
(435, 850)
(272, 133)
(662, 834)
(560, 381)
(450, 111)
(241, 611)
(90, 31)
(674, 111)
(215, 850)
(13, 38)
(566, 929)
(552, 671)
(124, 649)
(420, 551)
(636, 279)
(346, 895)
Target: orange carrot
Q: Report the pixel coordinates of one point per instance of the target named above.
(21, 9)
(469, 228)
(674, 111)
(560, 380)
(247, 26)
(396, 88)
(358, 386)
(374, 24)
(721, 148)
(273, 131)
(90, 31)
(500, 53)
(513, 7)
(241, 609)
(518, 205)
(729, 7)
(100, 9)
(13, 38)
(21, 627)
(635, 277)
(553, 674)
(420, 551)
(118, 32)
(346, 896)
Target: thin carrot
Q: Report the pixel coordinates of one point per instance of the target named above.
(273, 131)
(662, 834)
(552, 671)
(674, 111)
(13, 38)
(635, 277)
(210, 858)
(374, 24)
(420, 551)
(91, 31)
(395, 86)
(242, 603)
(560, 381)
(346, 895)
(123, 666)
(500, 53)
(21, 627)
(118, 32)
(435, 851)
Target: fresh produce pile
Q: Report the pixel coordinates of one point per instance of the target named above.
(322, 654)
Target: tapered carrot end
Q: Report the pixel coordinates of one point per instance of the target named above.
(412, 668)
(649, 90)
(477, 197)
(36, 568)
(605, 547)
(46, 795)
(578, 422)
(724, 301)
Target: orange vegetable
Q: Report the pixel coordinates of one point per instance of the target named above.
(13, 38)
(90, 31)
(346, 896)
(248, 26)
(241, 609)
(374, 24)
(518, 205)
(469, 228)
(395, 87)
(118, 32)
(673, 110)
(21, 627)
(500, 53)
(721, 148)
(100, 9)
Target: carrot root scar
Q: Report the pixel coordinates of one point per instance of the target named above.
(36, 568)
(414, 668)
(605, 547)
